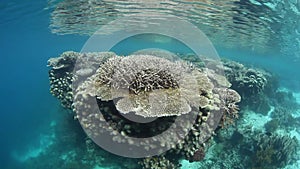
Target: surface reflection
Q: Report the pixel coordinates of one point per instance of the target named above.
(256, 25)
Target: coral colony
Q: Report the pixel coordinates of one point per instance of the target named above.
(141, 82)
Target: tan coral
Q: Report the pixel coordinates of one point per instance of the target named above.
(150, 86)
(194, 91)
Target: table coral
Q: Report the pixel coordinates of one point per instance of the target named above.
(149, 86)
(144, 82)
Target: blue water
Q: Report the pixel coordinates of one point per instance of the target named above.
(26, 43)
(26, 105)
(128, 46)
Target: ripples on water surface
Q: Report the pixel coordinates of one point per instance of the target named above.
(257, 25)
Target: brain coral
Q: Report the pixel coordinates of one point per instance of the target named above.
(150, 86)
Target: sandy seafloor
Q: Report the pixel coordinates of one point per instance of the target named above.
(29, 113)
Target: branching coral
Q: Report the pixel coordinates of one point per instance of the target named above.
(229, 99)
(246, 81)
(274, 151)
(252, 84)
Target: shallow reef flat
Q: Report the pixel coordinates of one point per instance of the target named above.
(243, 118)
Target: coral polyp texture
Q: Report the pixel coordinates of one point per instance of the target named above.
(61, 77)
(147, 86)
(63, 74)
(150, 86)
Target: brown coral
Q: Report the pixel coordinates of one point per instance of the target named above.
(229, 99)
(150, 86)
(198, 155)
(70, 68)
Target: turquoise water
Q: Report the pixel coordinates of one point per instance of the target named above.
(37, 132)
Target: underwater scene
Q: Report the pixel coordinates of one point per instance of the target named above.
(150, 84)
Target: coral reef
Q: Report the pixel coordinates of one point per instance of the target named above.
(286, 99)
(250, 83)
(140, 84)
(128, 85)
(285, 112)
(199, 155)
(143, 82)
(284, 117)
(62, 74)
(229, 99)
(247, 81)
(272, 125)
(72, 149)
(220, 155)
(243, 148)
(158, 53)
(274, 151)
(61, 77)
(157, 163)
(254, 85)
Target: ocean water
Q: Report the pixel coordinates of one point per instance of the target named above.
(38, 132)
